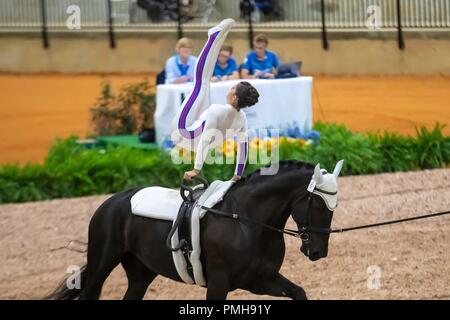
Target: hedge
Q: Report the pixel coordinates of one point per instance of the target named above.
(71, 170)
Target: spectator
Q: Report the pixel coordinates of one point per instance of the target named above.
(167, 10)
(180, 67)
(260, 63)
(226, 67)
(261, 10)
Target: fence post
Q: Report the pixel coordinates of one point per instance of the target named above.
(325, 44)
(180, 27)
(112, 40)
(401, 42)
(44, 24)
(246, 9)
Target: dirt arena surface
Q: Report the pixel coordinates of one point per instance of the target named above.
(413, 257)
(36, 109)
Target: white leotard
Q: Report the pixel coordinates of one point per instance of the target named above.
(222, 122)
(196, 120)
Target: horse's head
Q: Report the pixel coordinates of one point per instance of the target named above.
(314, 211)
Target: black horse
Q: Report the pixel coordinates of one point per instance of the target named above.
(234, 253)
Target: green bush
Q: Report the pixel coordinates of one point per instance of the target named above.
(71, 170)
(396, 153)
(128, 112)
(433, 149)
(337, 142)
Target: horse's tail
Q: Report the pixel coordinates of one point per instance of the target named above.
(63, 292)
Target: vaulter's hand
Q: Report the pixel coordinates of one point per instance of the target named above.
(235, 178)
(188, 175)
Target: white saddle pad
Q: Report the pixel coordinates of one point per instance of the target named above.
(156, 202)
(164, 203)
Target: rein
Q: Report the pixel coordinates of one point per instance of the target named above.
(366, 226)
(302, 233)
(235, 216)
(305, 229)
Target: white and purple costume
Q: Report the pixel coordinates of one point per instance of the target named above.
(196, 116)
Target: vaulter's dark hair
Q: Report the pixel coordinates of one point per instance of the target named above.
(247, 94)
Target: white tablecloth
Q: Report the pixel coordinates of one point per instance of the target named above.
(284, 104)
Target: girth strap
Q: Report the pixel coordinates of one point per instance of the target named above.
(182, 225)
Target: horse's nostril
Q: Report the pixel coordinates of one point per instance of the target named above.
(315, 254)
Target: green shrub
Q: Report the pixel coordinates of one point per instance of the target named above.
(71, 170)
(397, 152)
(432, 147)
(337, 142)
(126, 113)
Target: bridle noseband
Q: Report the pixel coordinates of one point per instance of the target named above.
(306, 228)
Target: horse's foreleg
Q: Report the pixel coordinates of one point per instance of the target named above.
(218, 285)
(278, 286)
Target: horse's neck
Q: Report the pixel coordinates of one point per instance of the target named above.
(269, 203)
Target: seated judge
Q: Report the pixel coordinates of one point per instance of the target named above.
(226, 66)
(260, 63)
(180, 67)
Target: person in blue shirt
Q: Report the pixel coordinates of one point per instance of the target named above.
(180, 67)
(260, 63)
(226, 67)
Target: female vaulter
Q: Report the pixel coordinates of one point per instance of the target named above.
(197, 121)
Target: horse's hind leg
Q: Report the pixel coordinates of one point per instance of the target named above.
(139, 277)
(102, 259)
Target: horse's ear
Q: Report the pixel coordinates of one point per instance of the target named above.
(337, 168)
(317, 174)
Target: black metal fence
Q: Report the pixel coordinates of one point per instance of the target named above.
(288, 15)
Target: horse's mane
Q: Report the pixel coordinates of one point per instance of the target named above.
(284, 166)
